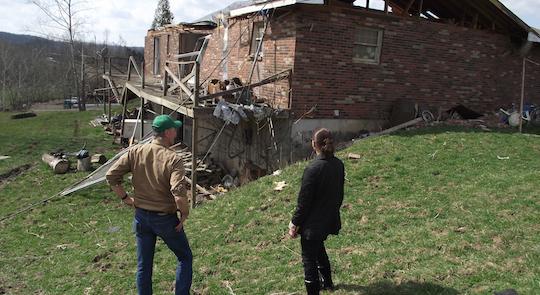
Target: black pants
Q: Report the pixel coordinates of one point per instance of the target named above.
(313, 256)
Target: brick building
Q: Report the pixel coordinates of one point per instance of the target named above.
(350, 65)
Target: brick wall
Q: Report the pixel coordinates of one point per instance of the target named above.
(278, 54)
(173, 37)
(434, 64)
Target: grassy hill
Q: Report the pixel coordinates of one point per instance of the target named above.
(441, 210)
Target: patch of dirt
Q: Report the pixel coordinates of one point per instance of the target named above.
(8, 176)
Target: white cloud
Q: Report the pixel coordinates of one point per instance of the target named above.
(132, 18)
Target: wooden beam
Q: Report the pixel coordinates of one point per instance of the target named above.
(170, 103)
(408, 7)
(180, 84)
(274, 78)
(142, 119)
(124, 111)
(112, 84)
(194, 140)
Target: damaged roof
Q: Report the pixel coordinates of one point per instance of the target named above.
(487, 14)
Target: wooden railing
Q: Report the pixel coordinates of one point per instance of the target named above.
(132, 64)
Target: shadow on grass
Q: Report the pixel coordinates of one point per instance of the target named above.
(389, 288)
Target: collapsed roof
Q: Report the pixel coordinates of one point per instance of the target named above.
(483, 14)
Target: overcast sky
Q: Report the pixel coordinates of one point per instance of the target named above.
(130, 19)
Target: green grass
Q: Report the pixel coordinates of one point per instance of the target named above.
(428, 211)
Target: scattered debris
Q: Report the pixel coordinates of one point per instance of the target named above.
(352, 156)
(280, 185)
(219, 189)
(113, 229)
(484, 127)
(4, 157)
(463, 113)
(277, 173)
(460, 229)
(59, 163)
(503, 158)
(23, 116)
(98, 159)
(228, 181)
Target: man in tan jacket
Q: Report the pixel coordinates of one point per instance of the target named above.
(159, 193)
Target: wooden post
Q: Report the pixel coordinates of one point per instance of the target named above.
(142, 74)
(142, 118)
(522, 97)
(420, 8)
(386, 6)
(129, 70)
(82, 98)
(105, 92)
(367, 4)
(124, 111)
(109, 114)
(165, 77)
(194, 138)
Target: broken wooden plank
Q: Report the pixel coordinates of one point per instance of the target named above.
(201, 189)
(400, 126)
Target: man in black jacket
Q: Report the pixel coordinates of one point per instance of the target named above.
(317, 212)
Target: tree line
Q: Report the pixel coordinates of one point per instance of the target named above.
(41, 70)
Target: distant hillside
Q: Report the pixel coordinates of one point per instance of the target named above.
(39, 69)
(20, 39)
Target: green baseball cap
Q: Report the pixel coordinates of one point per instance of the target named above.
(164, 122)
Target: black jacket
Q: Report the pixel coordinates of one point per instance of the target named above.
(320, 198)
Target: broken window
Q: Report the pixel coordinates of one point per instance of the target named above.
(367, 45)
(256, 37)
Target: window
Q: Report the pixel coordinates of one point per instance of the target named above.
(157, 57)
(256, 37)
(367, 45)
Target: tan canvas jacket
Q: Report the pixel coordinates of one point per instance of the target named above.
(158, 176)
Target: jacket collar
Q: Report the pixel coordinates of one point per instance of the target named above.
(322, 157)
(159, 141)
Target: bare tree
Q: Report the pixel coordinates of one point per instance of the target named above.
(65, 15)
(6, 62)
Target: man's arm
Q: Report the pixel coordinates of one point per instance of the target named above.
(179, 191)
(115, 177)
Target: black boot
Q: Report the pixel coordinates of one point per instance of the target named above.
(312, 287)
(326, 278)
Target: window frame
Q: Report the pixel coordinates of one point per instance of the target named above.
(377, 46)
(253, 40)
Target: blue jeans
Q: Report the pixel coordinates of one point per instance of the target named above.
(149, 225)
